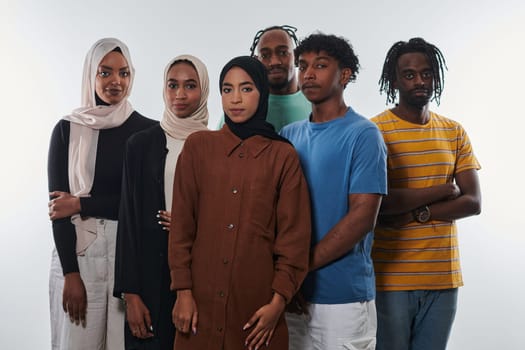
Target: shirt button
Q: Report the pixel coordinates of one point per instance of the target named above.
(219, 329)
(241, 155)
(225, 261)
(231, 226)
(221, 294)
(234, 191)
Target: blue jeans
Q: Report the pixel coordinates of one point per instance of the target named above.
(415, 320)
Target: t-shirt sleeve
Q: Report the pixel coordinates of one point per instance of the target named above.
(466, 159)
(368, 172)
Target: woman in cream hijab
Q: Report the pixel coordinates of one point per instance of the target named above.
(142, 276)
(85, 172)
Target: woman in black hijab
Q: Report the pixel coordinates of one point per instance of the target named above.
(240, 231)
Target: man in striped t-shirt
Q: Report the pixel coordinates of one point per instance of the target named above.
(432, 181)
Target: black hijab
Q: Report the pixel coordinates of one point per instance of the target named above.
(257, 124)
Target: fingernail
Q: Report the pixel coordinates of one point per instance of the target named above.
(160, 223)
(158, 215)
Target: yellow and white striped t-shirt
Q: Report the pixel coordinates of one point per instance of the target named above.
(421, 256)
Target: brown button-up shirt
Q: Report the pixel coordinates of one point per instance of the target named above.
(240, 230)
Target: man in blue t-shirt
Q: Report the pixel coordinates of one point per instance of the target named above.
(344, 160)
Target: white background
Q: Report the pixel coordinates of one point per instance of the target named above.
(43, 44)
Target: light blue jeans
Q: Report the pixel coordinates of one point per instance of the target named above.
(415, 320)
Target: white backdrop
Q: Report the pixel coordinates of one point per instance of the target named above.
(43, 47)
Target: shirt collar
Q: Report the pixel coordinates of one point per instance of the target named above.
(254, 145)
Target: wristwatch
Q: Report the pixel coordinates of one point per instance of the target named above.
(422, 214)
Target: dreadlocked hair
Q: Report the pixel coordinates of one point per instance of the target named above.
(434, 56)
(336, 47)
(285, 28)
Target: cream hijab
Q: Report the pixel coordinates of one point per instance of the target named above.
(180, 128)
(86, 122)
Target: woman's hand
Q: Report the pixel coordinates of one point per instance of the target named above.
(185, 315)
(138, 316)
(74, 298)
(265, 319)
(63, 205)
(165, 219)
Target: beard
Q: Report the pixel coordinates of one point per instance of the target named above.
(277, 85)
(418, 101)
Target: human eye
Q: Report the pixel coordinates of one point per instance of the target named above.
(103, 73)
(427, 75)
(226, 90)
(282, 53)
(409, 75)
(191, 86)
(301, 67)
(172, 85)
(124, 74)
(247, 89)
(265, 55)
(320, 65)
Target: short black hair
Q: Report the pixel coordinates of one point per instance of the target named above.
(290, 30)
(335, 46)
(435, 59)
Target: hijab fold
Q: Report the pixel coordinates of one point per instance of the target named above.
(181, 128)
(85, 123)
(257, 124)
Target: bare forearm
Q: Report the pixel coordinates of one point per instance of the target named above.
(402, 200)
(335, 244)
(348, 231)
(461, 207)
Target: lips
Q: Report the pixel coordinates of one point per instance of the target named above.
(114, 91)
(236, 111)
(420, 92)
(276, 71)
(309, 86)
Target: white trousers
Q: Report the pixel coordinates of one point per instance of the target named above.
(104, 329)
(349, 326)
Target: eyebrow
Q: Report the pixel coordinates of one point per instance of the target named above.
(241, 84)
(278, 47)
(318, 58)
(110, 68)
(187, 80)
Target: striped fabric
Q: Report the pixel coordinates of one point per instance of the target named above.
(421, 256)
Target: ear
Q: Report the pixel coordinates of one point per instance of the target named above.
(346, 74)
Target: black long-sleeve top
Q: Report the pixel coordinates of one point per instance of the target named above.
(141, 257)
(105, 192)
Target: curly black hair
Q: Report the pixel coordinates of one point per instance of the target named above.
(285, 28)
(435, 59)
(336, 47)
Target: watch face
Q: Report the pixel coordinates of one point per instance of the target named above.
(423, 215)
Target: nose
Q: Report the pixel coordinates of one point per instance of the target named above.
(116, 79)
(180, 93)
(275, 60)
(419, 80)
(236, 96)
(308, 73)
